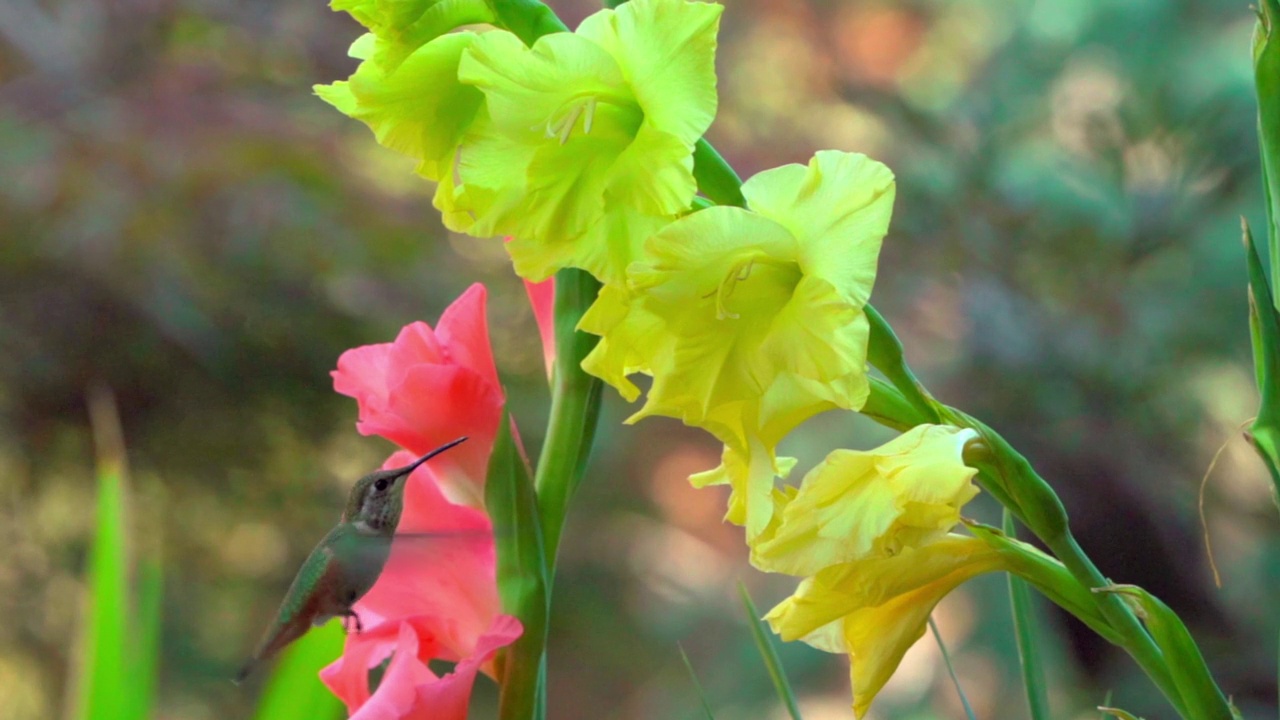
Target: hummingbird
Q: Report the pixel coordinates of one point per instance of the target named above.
(346, 563)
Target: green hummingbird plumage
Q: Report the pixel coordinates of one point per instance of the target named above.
(345, 564)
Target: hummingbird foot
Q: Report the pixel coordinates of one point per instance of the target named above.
(349, 619)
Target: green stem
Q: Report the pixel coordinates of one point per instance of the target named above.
(1031, 499)
(575, 409)
(1137, 643)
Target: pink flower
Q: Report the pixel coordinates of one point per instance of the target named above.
(542, 297)
(429, 387)
(409, 689)
(437, 596)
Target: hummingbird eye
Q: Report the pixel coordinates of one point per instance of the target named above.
(381, 484)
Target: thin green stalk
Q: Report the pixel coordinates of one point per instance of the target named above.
(697, 686)
(951, 670)
(1033, 681)
(770, 655)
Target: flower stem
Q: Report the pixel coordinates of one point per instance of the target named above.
(1031, 499)
(575, 409)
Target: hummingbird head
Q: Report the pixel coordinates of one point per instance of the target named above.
(376, 499)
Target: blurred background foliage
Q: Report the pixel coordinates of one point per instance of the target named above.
(182, 221)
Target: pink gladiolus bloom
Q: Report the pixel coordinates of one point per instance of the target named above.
(437, 596)
(409, 689)
(429, 387)
(542, 297)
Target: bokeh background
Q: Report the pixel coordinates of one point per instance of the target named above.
(182, 221)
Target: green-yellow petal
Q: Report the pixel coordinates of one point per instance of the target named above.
(875, 609)
(667, 51)
(839, 206)
(750, 472)
(597, 133)
(406, 25)
(419, 108)
(858, 503)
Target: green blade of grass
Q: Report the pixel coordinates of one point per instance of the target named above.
(105, 688)
(770, 656)
(1266, 68)
(145, 663)
(103, 658)
(1024, 631)
(955, 679)
(702, 696)
(294, 690)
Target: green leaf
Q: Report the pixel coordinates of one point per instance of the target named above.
(716, 178)
(1200, 693)
(522, 576)
(702, 696)
(885, 353)
(770, 656)
(528, 19)
(1266, 67)
(294, 690)
(1024, 630)
(1264, 328)
(951, 670)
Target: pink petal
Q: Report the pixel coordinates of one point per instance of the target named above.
(447, 697)
(348, 676)
(542, 297)
(432, 386)
(396, 696)
(463, 330)
(417, 343)
(362, 373)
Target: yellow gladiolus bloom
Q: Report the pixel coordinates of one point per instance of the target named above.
(877, 502)
(876, 608)
(751, 320)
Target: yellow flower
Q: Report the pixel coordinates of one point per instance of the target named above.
(751, 320)
(585, 142)
(875, 502)
(876, 608)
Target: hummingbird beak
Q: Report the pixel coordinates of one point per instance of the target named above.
(414, 465)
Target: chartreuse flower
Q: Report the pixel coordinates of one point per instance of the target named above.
(403, 26)
(416, 107)
(585, 143)
(751, 320)
(875, 609)
(877, 502)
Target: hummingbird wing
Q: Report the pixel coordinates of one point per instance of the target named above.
(339, 571)
(306, 602)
